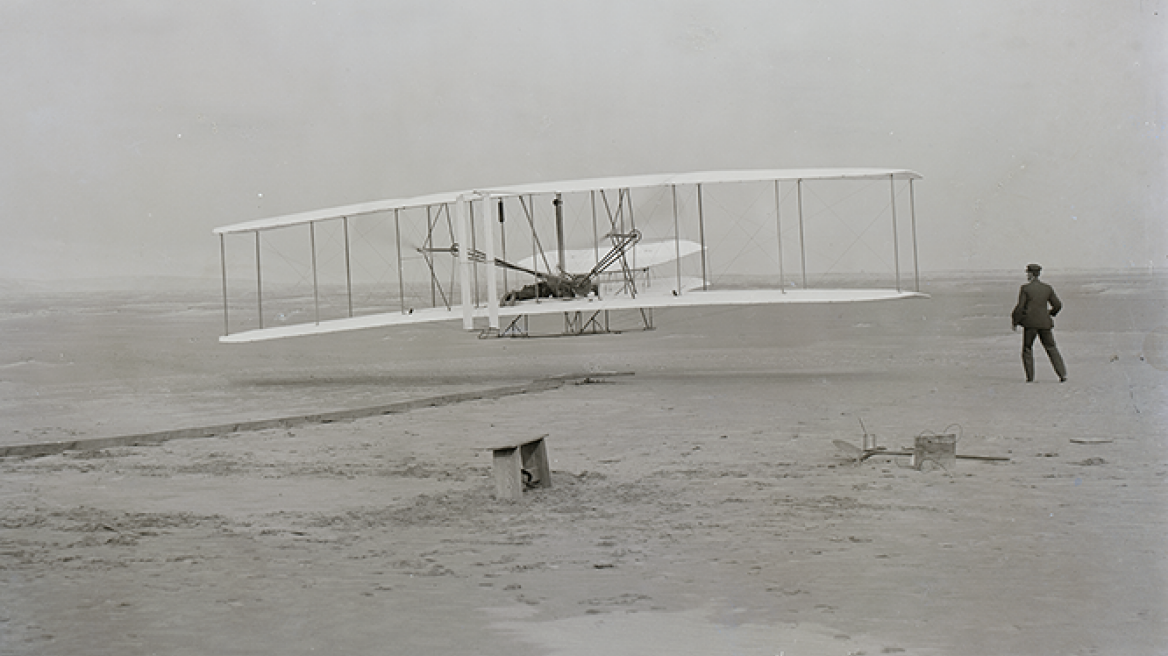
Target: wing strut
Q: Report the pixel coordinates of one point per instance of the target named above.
(315, 277)
(223, 266)
(802, 244)
(503, 238)
(535, 243)
(595, 234)
(617, 222)
(401, 285)
(895, 240)
(460, 228)
(702, 237)
(779, 234)
(348, 265)
(912, 210)
(259, 283)
(676, 236)
(470, 209)
(492, 290)
(558, 202)
(435, 284)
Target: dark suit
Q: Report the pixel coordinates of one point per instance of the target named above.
(1035, 312)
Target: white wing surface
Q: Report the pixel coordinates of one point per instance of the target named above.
(696, 298)
(571, 186)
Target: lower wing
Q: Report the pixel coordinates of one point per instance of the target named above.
(647, 299)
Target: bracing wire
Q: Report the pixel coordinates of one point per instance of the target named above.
(859, 235)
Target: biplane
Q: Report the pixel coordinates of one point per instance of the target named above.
(584, 249)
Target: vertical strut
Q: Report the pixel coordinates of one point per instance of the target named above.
(259, 282)
(348, 267)
(489, 245)
(912, 210)
(702, 236)
(779, 234)
(595, 234)
(632, 221)
(676, 237)
(315, 280)
(474, 246)
(558, 202)
(620, 209)
(401, 285)
(460, 230)
(630, 274)
(895, 241)
(503, 240)
(802, 244)
(429, 261)
(529, 209)
(223, 266)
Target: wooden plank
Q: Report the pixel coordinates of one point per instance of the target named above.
(535, 461)
(508, 470)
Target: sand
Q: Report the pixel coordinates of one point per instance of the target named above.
(699, 504)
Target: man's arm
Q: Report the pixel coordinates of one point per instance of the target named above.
(1056, 305)
(1016, 315)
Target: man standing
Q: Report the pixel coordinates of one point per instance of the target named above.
(1035, 311)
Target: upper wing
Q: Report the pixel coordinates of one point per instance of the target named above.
(571, 186)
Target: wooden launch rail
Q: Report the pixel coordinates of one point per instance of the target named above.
(144, 439)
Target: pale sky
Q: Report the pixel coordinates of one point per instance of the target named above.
(131, 128)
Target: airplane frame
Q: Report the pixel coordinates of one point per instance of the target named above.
(468, 217)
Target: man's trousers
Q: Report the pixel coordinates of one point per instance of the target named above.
(1046, 336)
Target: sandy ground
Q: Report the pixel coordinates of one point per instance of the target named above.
(699, 506)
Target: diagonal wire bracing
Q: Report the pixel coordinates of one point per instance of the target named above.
(741, 227)
(829, 208)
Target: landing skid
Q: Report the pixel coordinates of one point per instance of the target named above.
(517, 328)
(575, 324)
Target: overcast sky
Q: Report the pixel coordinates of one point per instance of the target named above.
(131, 128)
